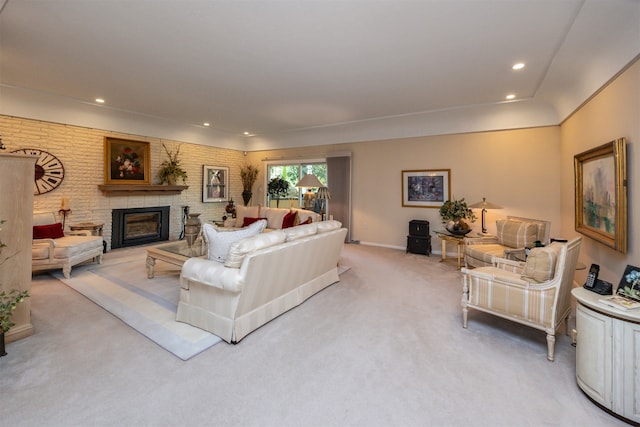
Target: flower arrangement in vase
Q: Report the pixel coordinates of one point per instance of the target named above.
(454, 213)
(170, 169)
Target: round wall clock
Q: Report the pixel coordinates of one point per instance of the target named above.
(49, 171)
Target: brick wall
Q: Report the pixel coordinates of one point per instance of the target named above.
(81, 151)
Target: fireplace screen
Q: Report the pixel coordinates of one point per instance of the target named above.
(141, 225)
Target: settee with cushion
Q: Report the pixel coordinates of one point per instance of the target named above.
(53, 248)
(259, 278)
(277, 218)
(536, 293)
(513, 236)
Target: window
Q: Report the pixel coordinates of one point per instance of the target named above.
(292, 172)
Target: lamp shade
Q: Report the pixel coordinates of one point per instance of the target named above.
(324, 193)
(309, 180)
(485, 205)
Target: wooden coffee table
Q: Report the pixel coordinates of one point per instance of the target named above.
(175, 252)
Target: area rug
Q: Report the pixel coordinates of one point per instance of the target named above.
(149, 306)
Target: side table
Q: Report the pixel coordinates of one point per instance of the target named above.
(94, 228)
(445, 237)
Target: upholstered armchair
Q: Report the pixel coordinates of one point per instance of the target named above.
(513, 235)
(536, 293)
(52, 248)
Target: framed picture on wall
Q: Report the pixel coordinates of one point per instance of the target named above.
(601, 194)
(215, 184)
(126, 161)
(426, 188)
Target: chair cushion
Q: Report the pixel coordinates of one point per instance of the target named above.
(274, 217)
(484, 252)
(49, 231)
(239, 249)
(242, 211)
(220, 241)
(516, 234)
(541, 263)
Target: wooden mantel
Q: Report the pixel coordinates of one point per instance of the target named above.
(150, 190)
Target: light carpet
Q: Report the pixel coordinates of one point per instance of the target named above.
(149, 306)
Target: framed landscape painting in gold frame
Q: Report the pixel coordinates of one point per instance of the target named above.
(601, 194)
(126, 161)
(425, 188)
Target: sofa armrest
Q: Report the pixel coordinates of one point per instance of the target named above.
(45, 244)
(480, 240)
(230, 222)
(508, 264)
(211, 273)
(78, 233)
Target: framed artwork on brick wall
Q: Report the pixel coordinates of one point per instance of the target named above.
(425, 188)
(601, 194)
(215, 184)
(126, 161)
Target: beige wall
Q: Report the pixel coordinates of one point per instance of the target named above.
(528, 171)
(611, 114)
(518, 170)
(81, 151)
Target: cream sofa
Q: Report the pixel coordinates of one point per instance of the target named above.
(65, 251)
(274, 216)
(262, 277)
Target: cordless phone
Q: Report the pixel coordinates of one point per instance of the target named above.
(592, 276)
(598, 286)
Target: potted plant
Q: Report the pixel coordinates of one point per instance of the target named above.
(277, 188)
(170, 169)
(8, 302)
(248, 173)
(454, 213)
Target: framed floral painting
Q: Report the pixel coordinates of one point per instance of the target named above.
(629, 285)
(126, 161)
(425, 188)
(601, 194)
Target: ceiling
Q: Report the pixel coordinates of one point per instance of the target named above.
(309, 71)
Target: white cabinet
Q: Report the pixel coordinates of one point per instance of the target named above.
(608, 354)
(16, 208)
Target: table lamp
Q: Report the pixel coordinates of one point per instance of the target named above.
(484, 205)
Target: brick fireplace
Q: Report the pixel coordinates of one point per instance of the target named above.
(139, 226)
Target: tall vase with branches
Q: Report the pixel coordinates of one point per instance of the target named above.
(249, 174)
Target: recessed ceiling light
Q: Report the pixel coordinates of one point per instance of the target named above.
(511, 96)
(100, 100)
(207, 124)
(518, 66)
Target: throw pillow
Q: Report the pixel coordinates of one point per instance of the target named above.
(274, 217)
(307, 221)
(289, 219)
(541, 263)
(50, 231)
(516, 234)
(250, 220)
(220, 241)
(243, 247)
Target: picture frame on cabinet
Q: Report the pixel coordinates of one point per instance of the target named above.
(126, 161)
(215, 184)
(428, 188)
(601, 194)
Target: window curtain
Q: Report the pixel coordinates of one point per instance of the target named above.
(339, 183)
